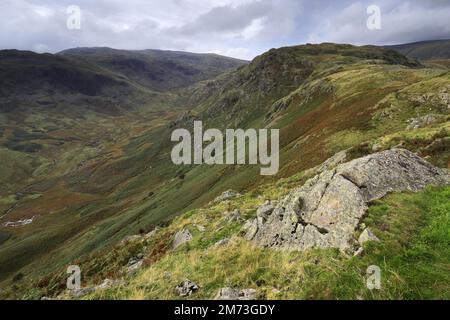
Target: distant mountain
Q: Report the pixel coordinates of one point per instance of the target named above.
(28, 72)
(157, 69)
(102, 79)
(425, 50)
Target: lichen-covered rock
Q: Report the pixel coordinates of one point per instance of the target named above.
(326, 211)
(236, 294)
(181, 237)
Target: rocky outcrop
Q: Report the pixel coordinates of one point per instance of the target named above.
(424, 121)
(236, 294)
(181, 237)
(326, 211)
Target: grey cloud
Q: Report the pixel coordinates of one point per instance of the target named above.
(227, 18)
(241, 28)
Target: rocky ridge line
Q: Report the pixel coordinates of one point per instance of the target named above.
(327, 210)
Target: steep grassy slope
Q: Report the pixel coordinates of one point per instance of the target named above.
(116, 177)
(413, 252)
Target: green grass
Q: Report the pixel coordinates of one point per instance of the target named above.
(413, 255)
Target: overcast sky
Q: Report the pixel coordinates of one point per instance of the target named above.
(237, 28)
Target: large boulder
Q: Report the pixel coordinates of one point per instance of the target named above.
(326, 211)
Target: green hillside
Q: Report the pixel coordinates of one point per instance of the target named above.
(90, 178)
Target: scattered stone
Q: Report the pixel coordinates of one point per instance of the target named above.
(132, 238)
(78, 293)
(221, 243)
(424, 121)
(181, 237)
(236, 294)
(186, 288)
(134, 265)
(18, 223)
(108, 284)
(227, 195)
(326, 211)
(367, 236)
(151, 234)
(276, 291)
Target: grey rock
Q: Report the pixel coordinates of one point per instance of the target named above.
(108, 284)
(233, 216)
(131, 239)
(227, 195)
(359, 252)
(134, 265)
(186, 288)
(265, 210)
(424, 121)
(181, 237)
(333, 162)
(221, 243)
(151, 234)
(367, 236)
(251, 228)
(236, 294)
(327, 209)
